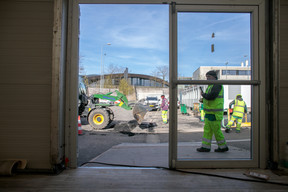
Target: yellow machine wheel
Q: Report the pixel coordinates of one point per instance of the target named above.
(99, 118)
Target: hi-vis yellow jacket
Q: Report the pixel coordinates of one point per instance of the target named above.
(239, 108)
(216, 105)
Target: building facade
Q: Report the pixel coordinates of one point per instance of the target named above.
(133, 79)
(190, 95)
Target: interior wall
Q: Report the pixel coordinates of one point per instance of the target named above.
(283, 102)
(25, 80)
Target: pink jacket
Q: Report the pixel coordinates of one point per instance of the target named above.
(164, 104)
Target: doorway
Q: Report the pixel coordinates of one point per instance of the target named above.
(255, 58)
(124, 54)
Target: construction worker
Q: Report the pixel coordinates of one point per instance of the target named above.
(164, 107)
(213, 102)
(238, 112)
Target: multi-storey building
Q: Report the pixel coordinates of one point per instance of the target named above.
(191, 95)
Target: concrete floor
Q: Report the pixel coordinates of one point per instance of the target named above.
(156, 154)
(99, 177)
(120, 179)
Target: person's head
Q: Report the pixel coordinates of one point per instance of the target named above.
(211, 75)
(162, 96)
(239, 96)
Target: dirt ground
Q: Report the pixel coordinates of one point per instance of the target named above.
(152, 122)
(125, 129)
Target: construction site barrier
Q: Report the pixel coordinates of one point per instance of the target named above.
(79, 126)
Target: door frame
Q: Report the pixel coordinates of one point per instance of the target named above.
(71, 126)
(258, 85)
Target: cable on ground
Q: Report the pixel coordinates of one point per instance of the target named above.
(189, 172)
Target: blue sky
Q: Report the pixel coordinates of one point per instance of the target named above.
(139, 37)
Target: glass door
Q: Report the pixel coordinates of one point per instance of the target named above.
(221, 41)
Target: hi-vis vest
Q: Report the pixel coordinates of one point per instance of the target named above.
(216, 105)
(238, 110)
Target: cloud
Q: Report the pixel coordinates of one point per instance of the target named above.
(139, 35)
(144, 27)
(226, 26)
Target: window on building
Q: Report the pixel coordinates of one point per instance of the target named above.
(236, 72)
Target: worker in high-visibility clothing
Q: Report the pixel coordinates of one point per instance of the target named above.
(213, 104)
(239, 109)
(164, 107)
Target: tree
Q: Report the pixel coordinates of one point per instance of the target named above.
(163, 72)
(125, 87)
(108, 83)
(111, 70)
(155, 76)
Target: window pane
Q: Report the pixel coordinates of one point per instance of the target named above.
(214, 41)
(192, 119)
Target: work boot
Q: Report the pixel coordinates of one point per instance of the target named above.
(221, 150)
(237, 131)
(203, 149)
(227, 130)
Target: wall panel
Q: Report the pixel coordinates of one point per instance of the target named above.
(26, 36)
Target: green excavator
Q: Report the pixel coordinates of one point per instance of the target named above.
(99, 114)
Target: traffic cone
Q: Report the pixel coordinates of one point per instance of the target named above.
(79, 126)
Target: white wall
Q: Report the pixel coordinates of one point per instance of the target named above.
(143, 92)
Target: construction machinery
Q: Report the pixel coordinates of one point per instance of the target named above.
(98, 111)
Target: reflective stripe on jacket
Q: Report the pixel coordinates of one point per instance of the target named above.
(216, 105)
(239, 108)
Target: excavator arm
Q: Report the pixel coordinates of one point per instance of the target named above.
(119, 100)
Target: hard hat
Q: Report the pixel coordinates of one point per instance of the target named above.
(238, 96)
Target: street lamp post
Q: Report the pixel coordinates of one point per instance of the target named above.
(226, 69)
(246, 64)
(102, 68)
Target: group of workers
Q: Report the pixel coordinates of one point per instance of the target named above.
(212, 114)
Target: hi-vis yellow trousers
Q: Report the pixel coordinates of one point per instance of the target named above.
(164, 116)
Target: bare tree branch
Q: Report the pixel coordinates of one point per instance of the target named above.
(163, 72)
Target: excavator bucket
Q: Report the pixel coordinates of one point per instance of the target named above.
(139, 112)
